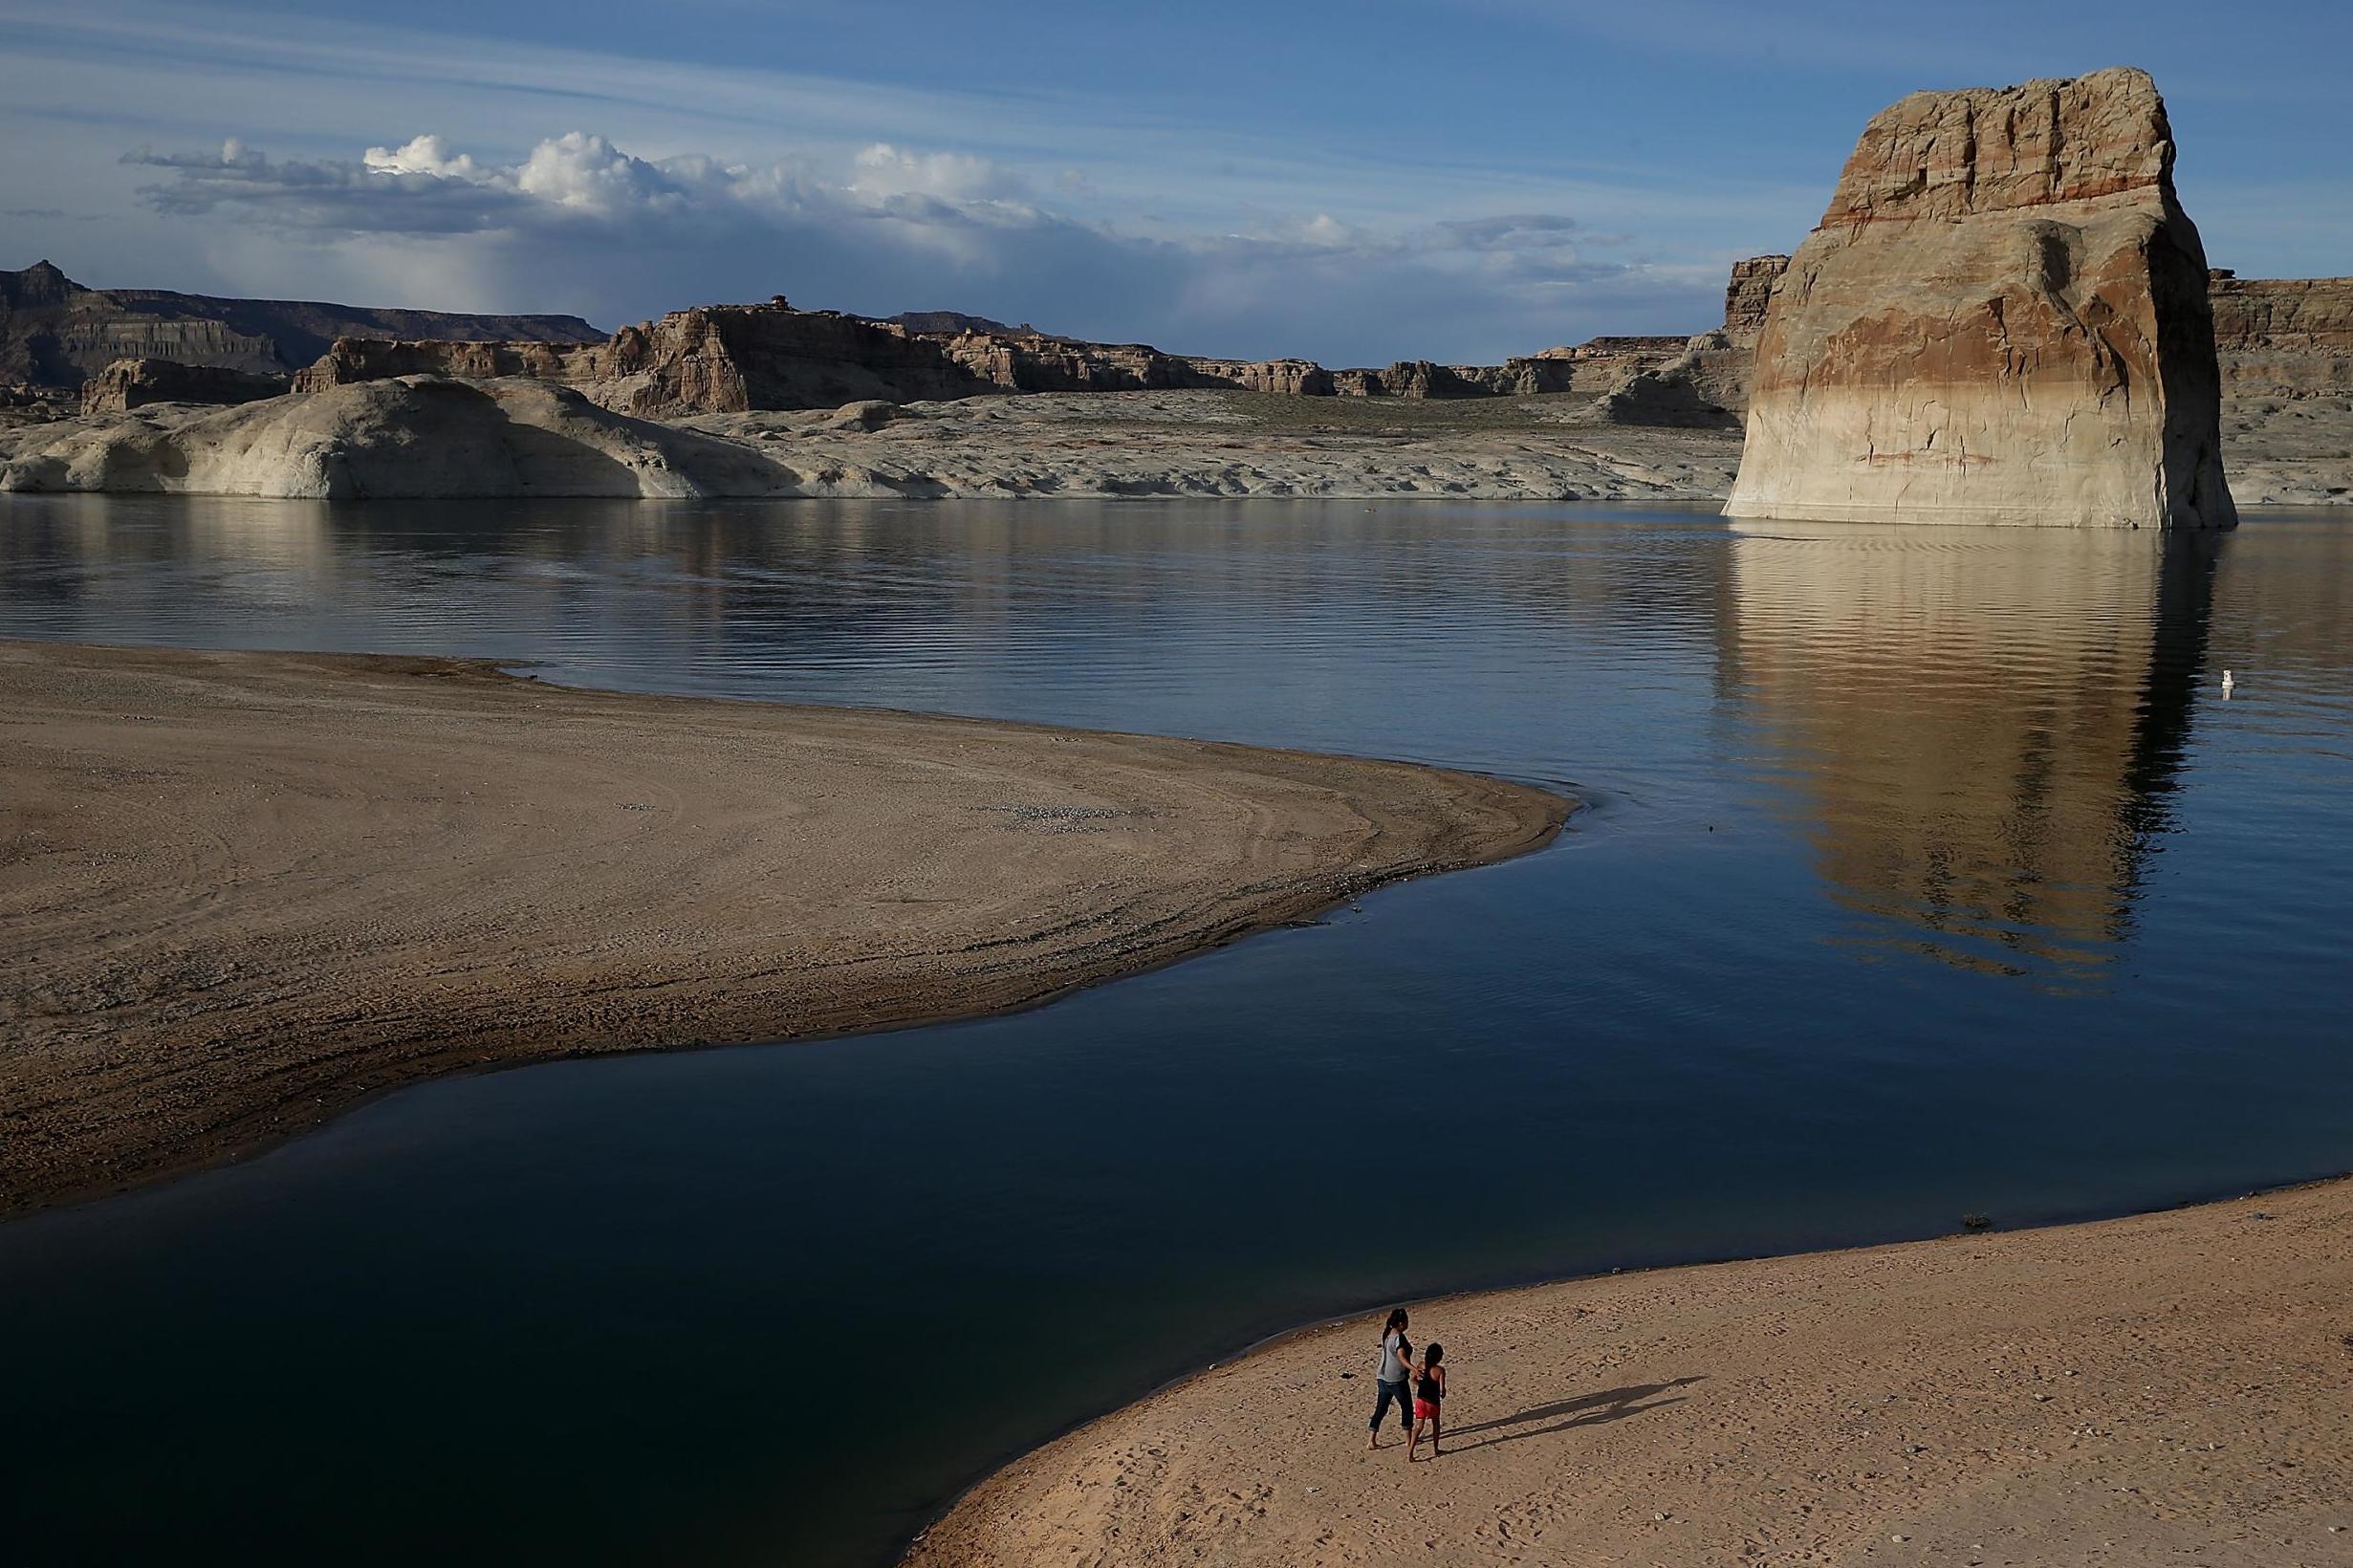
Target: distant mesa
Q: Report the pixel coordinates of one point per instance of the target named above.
(741, 358)
(56, 335)
(952, 322)
(2002, 319)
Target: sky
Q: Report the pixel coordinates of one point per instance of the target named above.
(1355, 182)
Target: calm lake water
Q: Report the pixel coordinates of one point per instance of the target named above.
(1925, 873)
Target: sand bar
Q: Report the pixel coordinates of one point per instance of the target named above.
(240, 891)
(2170, 1388)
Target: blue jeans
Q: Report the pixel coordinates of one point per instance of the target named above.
(1381, 1406)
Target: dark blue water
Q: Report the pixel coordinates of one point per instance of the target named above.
(1926, 872)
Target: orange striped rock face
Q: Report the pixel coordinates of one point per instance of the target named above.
(2002, 319)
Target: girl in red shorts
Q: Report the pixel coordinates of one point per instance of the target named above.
(1428, 1394)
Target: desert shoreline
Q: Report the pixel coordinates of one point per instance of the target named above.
(1047, 1501)
(215, 962)
(510, 439)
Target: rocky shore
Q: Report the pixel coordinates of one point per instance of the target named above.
(432, 437)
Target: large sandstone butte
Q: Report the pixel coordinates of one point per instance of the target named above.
(2002, 319)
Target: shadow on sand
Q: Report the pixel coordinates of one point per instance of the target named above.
(1584, 1410)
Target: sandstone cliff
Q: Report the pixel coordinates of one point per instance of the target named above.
(2002, 318)
(2289, 337)
(1748, 294)
(55, 332)
(1284, 377)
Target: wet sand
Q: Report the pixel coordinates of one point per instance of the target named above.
(241, 892)
(2169, 1388)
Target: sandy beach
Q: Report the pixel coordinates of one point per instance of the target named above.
(240, 892)
(2166, 1388)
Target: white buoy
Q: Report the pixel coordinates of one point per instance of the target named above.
(2228, 682)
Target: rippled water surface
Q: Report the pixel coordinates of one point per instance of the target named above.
(1926, 872)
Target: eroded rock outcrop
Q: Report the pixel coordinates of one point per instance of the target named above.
(2002, 319)
(1597, 364)
(134, 383)
(1704, 387)
(353, 359)
(1285, 378)
(418, 436)
(736, 358)
(2284, 337)
(1748, 294)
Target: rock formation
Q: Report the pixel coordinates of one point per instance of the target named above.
(1704, 387)
(430, 436)
(2284, 337)
(419, 436)
(1706, 384)
(353, 359)
(1284, 377)
(735, 359)
(1028, 360)
(55, 332)
(1747, 295)
(134, 383)
(1600, 363)
(2002, 319)
(952, 322)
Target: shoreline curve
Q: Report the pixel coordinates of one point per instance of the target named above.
(1993, 1335)
(250, 891)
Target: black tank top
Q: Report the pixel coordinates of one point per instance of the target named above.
(1427, 1387)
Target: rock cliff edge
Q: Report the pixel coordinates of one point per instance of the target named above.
(2002, 319)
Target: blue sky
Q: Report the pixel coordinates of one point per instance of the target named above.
(1355, 182)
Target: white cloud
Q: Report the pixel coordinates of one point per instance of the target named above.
(422, 155)
(883, 171)
(586, 173)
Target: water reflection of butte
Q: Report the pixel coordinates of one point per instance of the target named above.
(1983, 726)
(292, 537)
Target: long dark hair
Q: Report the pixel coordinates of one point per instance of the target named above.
(1432, 1357)
(1396, 1323)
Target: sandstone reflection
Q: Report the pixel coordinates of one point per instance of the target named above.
(1981, 729)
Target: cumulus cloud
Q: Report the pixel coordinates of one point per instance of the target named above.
(581, 224)
(883, 171)
(422, 155)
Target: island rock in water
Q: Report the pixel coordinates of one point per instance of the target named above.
(2002, 319)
